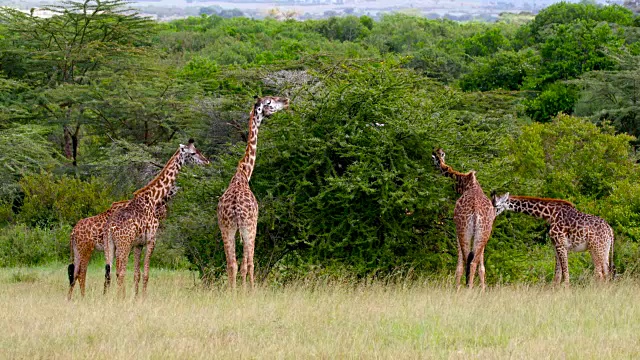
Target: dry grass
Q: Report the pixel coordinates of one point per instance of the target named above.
(178, 320)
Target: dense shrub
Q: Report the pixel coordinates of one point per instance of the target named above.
(556, 98)
(21, 245)
(503, 70)
(50, 200)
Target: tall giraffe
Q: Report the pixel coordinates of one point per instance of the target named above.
(87, 236)
(473, 216)
(238, 207)
(138, 219)
(571, 230)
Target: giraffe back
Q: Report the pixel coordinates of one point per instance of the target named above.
(580, 230)
(474, 208)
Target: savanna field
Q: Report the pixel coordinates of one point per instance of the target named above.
(316, 319)
(356, 246)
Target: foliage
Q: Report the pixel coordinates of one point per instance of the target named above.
(437, 64)
(557, 98)
(566, 13)
(573, 49)
(21, 245)
(50, 200)
(24, 150)
(503, 70)
(79, 38)
(486, 43)
(611, 96)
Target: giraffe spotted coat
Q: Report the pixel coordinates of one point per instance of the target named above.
(570, 230)
(87, 236)
(135, 225)
(473, 216)
(238, 207)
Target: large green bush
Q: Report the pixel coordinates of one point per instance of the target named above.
(50, 200)
(21, 245)
(556, 98)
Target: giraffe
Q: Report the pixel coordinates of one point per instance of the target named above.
(238, 207)
(473, 216)
(138, 219)
(87, 235)
(570, 230)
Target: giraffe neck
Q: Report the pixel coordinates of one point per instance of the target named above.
(248, 161)
(158, 188)
(463, 181)
(537, 207)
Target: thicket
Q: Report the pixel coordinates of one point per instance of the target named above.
(95, 99)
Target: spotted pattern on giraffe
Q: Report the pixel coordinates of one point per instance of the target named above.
(138, 220)
(570, 230)
(473, 216)
(238, 207)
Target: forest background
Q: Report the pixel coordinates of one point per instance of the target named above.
(94, 101)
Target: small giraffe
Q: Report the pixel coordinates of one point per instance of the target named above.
(87, 236)
(138, 219)
(473, 216)
(571, 230)
(238, 207)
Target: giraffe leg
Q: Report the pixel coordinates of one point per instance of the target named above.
(251, 265)
(600, 265)
(228, 238)
(463, 252)
(248, 240)
(147, 259)
(564, 262)
(557, 277)
(459, 267)
(481, 270)
(472, 270)
(82, 272)
(122, 256)
(137, 251)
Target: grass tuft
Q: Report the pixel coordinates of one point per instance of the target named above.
(20, 276)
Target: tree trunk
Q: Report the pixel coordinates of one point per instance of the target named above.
(74, 141)
(68, 152)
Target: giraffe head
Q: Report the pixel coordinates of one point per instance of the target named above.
(438, 157)
(190, 155)
(500, 202)
(267, 106)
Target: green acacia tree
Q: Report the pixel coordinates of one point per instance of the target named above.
(70, 48)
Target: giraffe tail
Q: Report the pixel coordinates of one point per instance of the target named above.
(71, 269)
(612, 267)
(467, 266)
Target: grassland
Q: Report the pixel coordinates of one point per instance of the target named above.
(314, 320)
